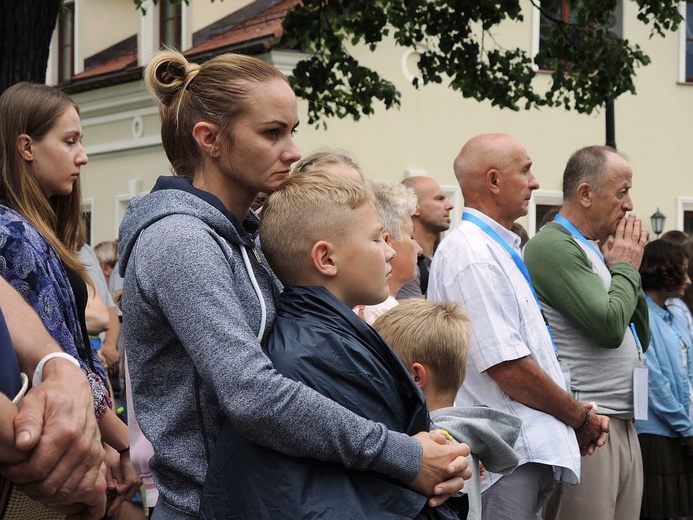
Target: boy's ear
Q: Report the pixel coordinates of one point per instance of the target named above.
(322, 258)
(205, 134)
(418, 374)
(24, 143)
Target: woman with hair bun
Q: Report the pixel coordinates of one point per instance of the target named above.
(40, 232)
(666, 437)
(199, 297)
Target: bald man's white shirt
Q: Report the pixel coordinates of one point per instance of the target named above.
(471, 269)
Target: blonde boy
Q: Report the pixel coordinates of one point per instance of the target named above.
(322, 230)
(323, 238)
(432, 340)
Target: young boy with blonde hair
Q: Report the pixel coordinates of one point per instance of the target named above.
(431, 339)
(322, 236)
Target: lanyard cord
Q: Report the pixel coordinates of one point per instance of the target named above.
(519, 262)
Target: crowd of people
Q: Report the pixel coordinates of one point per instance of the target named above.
(278, 337)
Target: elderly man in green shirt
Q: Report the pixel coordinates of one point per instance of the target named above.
(584, 267)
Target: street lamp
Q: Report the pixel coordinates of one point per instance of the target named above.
(657, 219)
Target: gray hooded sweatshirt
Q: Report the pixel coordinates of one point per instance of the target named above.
(198, 297)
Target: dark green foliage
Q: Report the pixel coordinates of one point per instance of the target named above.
(591, 65)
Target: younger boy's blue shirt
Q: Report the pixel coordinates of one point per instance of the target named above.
(319, 341)
(10, 382)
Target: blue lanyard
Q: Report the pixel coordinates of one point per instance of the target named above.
(638, 345)
(560, 219)
(519, 262)
(567, 224)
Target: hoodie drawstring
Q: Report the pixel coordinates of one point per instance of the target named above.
(251, 273)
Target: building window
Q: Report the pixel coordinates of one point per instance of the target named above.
(87, 221)
(170, 24)
(688, 25)
(541, 205)
(544, 214)
(688, 222)
(550, 11)
(66, 40)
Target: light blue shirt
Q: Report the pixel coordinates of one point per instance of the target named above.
(669, 380)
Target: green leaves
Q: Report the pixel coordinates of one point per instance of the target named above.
(340, 87)
(590, 64)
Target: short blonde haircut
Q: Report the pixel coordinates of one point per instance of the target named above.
(321, 158)
(394, 202)
(434, 334)
(305, 209)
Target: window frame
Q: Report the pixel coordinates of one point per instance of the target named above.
(541, 198)
(565, 17)
(683, 205)
(683, 41)
(170, 13)
(87, 216)
(617, 28)
(66, 52)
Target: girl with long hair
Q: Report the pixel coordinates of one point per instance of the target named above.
(40, 230)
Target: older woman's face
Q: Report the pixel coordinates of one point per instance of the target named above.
(404, 263)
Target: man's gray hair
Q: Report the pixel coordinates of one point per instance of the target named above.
(588, 164)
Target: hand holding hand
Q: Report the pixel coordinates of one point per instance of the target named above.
(122, 480)
(57, 428)
(595, 434)
(56, 424)
(627, 243)
(92, 504)
(129, 482)
(444, 468)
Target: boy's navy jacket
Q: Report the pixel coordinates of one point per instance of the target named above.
(319, 341)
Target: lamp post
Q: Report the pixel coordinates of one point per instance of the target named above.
(657, 220)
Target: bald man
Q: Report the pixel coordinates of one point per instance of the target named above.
(432, 217)
(512, 364)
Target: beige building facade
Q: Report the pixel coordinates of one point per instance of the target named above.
(111, 41)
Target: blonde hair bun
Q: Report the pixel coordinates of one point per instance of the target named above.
(168, 74)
